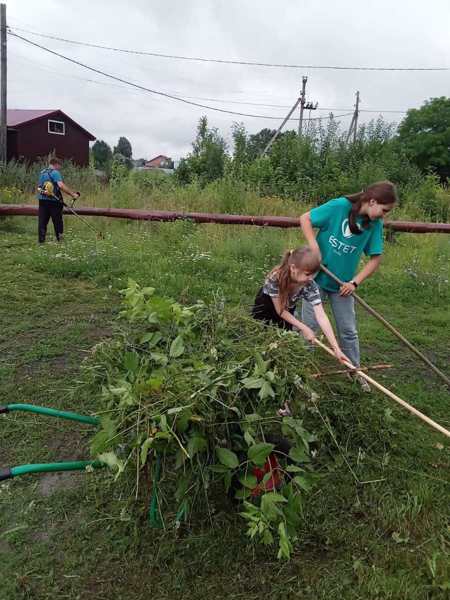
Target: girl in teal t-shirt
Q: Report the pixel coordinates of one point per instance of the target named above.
(347, 227)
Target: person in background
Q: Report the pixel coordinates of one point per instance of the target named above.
(51, 205)
(348, 227)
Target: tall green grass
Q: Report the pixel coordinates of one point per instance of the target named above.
(421, 198)
(24, 178)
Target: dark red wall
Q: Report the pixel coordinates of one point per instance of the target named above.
(11, 144)
(34, 141)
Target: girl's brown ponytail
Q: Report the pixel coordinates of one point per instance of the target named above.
(302, 258)
(284, 278)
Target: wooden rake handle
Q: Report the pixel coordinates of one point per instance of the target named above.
(391, 328)
(388, 393)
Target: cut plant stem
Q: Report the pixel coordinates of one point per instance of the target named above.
(338, 371)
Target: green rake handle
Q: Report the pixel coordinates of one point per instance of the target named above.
(50, 412)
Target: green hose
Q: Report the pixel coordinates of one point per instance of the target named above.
(50, 412)
(75, 465)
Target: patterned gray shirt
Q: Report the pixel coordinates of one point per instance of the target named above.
(310, 292)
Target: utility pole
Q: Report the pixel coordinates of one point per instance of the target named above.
(277, 133)
(355, 128)
(354, 122)
(3, 97)
(302, 105)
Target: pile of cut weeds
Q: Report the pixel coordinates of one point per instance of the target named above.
(189, 404)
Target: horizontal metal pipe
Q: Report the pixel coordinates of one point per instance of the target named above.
(164, 215)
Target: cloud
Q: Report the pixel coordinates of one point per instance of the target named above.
(380, 33)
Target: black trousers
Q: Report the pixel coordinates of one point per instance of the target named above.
(264, 310)
(50, 209)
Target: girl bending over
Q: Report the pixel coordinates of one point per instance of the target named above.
(285, 286)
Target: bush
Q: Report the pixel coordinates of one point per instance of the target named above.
(311, 169)
(150, 180)
(427, 199)
(19, 176)
(25, 176)
(10, 195)
(206, 162)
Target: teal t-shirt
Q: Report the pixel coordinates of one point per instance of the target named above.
(341, 249)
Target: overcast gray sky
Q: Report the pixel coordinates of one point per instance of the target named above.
(402, 33)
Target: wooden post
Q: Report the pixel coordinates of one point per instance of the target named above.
(3, 86)
(354, 122)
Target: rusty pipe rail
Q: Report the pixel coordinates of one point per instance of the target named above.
(198, 217)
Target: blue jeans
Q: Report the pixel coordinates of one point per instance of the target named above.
(343, 308)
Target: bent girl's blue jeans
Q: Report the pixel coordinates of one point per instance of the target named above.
(343, 308)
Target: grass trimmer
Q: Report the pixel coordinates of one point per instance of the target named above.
(70, 208)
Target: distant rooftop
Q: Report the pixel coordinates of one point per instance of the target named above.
(17, 116)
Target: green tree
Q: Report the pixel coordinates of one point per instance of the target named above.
(258, 141)
(102, 155)
(183, 172)
(425, 135)
(123, 147)
(240, 150)
(206, 162)
(123, 160)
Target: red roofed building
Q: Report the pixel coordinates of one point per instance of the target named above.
(33, 134)
(159, 162)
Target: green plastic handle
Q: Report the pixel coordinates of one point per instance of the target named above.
(76, 465)
(51, 412)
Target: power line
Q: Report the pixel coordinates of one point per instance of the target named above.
(42, 67)
(227, 61)
(151, 91)
(223, 100)
(207, 99)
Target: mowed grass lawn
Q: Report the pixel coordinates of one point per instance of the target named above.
(375, 528)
